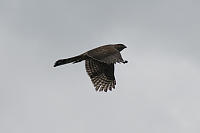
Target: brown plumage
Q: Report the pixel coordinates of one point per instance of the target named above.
(99, 64)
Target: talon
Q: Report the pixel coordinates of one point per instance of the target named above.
(125, 61)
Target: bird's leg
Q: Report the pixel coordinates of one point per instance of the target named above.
(125, 61)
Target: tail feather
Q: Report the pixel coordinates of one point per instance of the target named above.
(69, 60)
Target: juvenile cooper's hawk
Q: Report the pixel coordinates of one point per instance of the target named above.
(99, 64)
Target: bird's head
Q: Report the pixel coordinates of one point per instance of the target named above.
(120, 47)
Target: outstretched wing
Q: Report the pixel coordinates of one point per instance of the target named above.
(101, 74)
(106, 54)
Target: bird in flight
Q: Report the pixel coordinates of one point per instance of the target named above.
(99, 64)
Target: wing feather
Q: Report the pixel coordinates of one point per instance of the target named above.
(101, 74)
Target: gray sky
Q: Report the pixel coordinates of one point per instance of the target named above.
(156, 92)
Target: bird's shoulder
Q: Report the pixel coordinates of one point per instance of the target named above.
(106, 54)
(106, 49)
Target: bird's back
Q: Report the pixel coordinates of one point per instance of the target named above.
(106, 54)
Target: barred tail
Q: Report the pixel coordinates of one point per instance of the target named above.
(75, 59)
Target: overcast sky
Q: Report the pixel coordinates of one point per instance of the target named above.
(157, 91)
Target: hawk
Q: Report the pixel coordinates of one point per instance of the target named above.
(99, 64)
